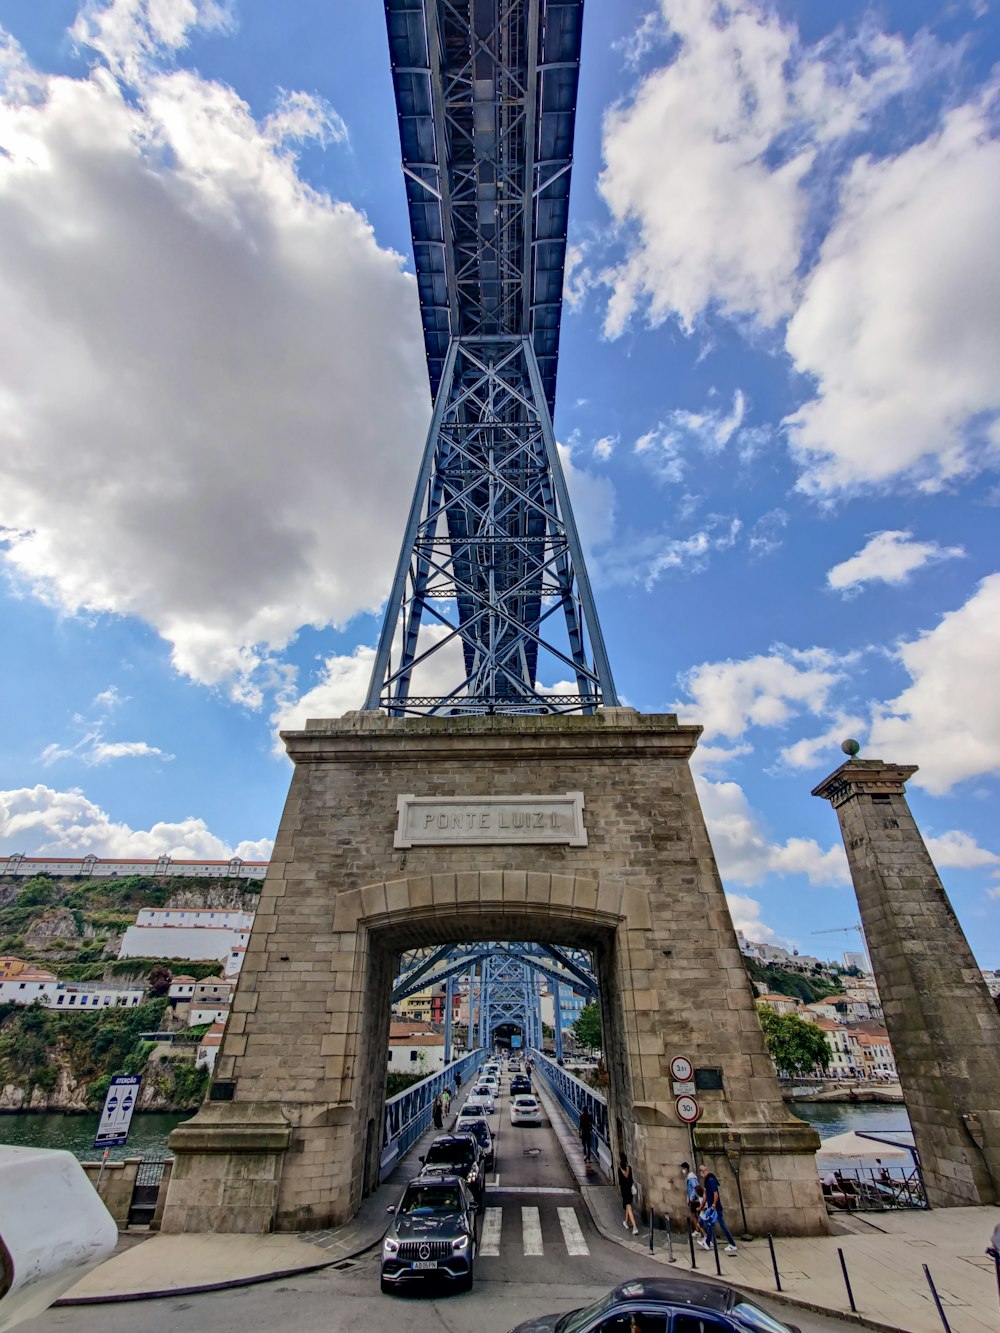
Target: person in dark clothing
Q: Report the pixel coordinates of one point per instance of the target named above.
(437, 1112)
(713, 1203)
(626, 1184)
(586, 1133)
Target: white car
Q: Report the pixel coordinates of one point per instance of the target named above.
(492, 1083)
(479, 1103)
(525, 1110)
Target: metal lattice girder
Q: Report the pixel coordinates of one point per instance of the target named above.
(491, 561)
(429, 967)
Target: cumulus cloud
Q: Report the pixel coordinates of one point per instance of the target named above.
(744, 852)
(900, 320)
(887, 557)
(665, 446)
(39, 821)
(745, 912)
(959, 851)
(92, 749)
(808, 751)
(704, 167)
(594, 500)
(240, 383)
(763, 691)
(948, 719)
(648, 558)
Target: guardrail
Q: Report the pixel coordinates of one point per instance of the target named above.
(573, 1095)
(408, 1114)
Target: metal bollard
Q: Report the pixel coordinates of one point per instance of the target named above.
(774, 1262)
(715, 1247)
(847, 1281)
(652, 1218)
(691, 1242)
(670, 1239)
(937, 1300)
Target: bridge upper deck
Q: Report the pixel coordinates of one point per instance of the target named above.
(486, 99)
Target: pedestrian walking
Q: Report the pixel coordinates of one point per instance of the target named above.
(694, 1193)
(446, 1101)
(626, 1184)
(458, 1083)
(586, 1133)
(713, 1214)
(437, 1112)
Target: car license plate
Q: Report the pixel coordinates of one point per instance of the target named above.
(424, 1263)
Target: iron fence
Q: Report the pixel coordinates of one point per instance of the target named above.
(869, 1189)
(408, 1114)
(573, 1095)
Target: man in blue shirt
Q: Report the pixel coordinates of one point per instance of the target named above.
(694, 1203)
(714, 1200)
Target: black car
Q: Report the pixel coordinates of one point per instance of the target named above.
(520, 1084)
(664, 1305)
(479, 1127)
(456, 1155)
(433, 1234)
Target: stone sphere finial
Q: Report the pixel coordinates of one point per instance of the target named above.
(850, 747)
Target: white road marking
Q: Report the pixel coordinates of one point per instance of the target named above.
(531, 1230)
(575, 1241)
(537, 1189)
(496, 1180)
(489, 1244)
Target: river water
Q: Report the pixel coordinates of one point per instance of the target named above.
(75, 1133)
(148, 1136)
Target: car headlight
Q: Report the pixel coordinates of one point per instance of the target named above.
(473, 1175)
(462, 1243)
(390, 1246)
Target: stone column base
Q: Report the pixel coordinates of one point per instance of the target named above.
(227, 1168)
(781, 1189)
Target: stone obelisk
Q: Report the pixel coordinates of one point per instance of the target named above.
(941, 1019)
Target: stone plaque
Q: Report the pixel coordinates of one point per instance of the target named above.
(426, 821)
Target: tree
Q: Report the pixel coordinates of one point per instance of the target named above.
(159, 980)
(587, 1028)
(795, 1046)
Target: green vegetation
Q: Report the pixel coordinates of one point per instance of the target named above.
(397, 1082)
(587, 1028)
(805, 986)
(795, 1046)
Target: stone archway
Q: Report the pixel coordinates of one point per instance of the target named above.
(281, 1141)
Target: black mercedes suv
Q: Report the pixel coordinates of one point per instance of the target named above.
(433, 1234)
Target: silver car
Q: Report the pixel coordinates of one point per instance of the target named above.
(433, 1234)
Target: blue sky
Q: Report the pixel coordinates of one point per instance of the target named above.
(778, 403)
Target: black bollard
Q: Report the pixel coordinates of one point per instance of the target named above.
(691, 1242)
(715, 1247)
(847, 1281)
(652, 1216)
(774, 1262)
(937, 1300)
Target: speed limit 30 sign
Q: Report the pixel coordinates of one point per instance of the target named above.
(687, 1109)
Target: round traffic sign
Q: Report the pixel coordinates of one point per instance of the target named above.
(681, 1068)
(687, 1109)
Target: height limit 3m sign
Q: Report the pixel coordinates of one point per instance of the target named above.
(119, 1106)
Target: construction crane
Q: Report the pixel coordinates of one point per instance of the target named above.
(847, 930)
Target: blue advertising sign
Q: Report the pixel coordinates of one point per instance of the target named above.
(119, 1106)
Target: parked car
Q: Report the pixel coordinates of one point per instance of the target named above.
(520, 1083)
(478, 1127)
(486, 1094)
(432, 1235)
(456, 1155)
(514, 1067)
(680, 1304)
(525, 1110)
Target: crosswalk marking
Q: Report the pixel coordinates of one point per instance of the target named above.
(531, 1231)
(572, 1235)
(489, 1245)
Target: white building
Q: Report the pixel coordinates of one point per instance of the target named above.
(193, 943)
(208, 1047)
(195, 916)
(415, 1048)
(207, 1014)
(234, 963)
(28, 985)
(182, 988)
(838, 1039)
(856, 959)
(95, 867)
(96, 995)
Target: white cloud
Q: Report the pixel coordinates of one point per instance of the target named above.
(593, 498)
(959, 851)
(900, 320)
(605, 447)
(242, 394)
(705, 165)
(94, 750)
(647, 559)
(130, 34)
(889, 557)
(41, 821)
(948, 719)
(709, 431)
(807, 752)
(745, 912)
(728, 697)
(743, 851)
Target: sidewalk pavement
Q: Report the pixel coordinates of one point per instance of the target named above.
(170, 1265)
(885, 1255)
(884, 1252)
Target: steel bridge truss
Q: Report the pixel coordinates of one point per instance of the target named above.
(491, 610)
(421, 968)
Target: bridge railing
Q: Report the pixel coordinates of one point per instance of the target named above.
(573, 1095)
(409, 1113)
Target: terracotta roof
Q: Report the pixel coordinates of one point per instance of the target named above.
(31, 974)
(418, 1039)
(408, 1026)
